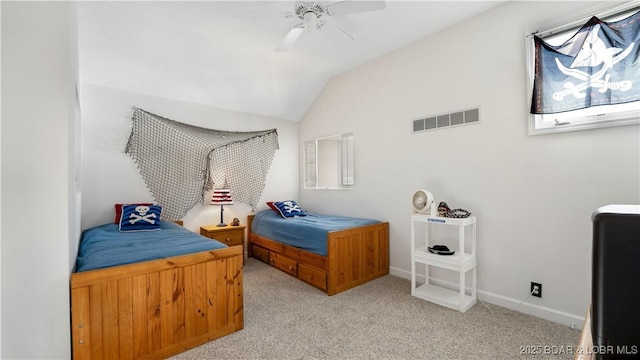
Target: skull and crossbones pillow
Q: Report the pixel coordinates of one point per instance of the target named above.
(288, 208)
(140, 217)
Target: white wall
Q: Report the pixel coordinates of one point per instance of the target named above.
(110, 176)
(533, 195)
(39, 70)
(0, 199)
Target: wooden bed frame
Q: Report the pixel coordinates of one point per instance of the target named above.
(158, 308)
(354, 256)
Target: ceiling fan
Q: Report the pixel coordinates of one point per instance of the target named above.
(314, 14)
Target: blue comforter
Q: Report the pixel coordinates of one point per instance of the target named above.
(305, 232)
(104, 246)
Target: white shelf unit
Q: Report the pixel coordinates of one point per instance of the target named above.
(461, 262)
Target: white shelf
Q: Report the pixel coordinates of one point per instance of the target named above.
(443, 220)
(462, 261)
(444, 297)
(451, 262)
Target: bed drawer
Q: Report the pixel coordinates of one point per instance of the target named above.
(259, 253)
(284, 263)
(312, 276)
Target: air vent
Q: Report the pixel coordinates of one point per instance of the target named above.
(440, 121)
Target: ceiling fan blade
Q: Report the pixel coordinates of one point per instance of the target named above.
(352, 7)
(262, 14)
(291, 37)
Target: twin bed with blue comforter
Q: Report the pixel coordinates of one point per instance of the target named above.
(332, 253)
(307, 232)
(105, 246)
(152, 294)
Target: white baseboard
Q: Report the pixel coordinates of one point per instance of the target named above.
(542, 312)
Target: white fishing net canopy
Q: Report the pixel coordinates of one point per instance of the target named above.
(180, 163)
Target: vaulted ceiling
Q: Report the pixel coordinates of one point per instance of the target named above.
(200, 52)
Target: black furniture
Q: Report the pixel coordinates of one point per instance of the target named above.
(615, 292)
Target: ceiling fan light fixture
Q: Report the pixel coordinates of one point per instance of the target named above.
(310, 18)
(303, 8)
(318, 14)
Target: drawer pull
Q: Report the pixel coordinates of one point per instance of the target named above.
(290, 267)
(228, 239)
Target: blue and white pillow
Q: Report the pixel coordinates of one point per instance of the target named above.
(288, 209)
(140, 218)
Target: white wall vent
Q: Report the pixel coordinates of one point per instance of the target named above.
(435, 122)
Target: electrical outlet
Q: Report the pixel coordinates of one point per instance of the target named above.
(536, 289)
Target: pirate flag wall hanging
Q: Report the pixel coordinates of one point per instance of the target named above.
(598, 65)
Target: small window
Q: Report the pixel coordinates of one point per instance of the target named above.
(580, 81)
(328, 162)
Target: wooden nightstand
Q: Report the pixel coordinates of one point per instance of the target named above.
(229, 235)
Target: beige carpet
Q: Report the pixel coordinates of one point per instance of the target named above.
(288, 319)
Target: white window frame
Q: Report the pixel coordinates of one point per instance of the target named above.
(338, 165)
(590, 118)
